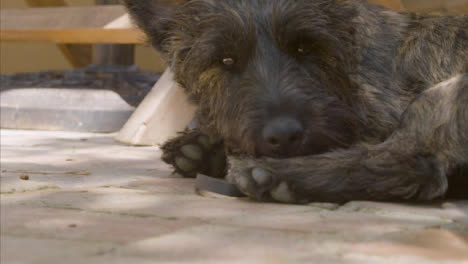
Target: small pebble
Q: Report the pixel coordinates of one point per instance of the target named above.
(24, 177)
(72, 225)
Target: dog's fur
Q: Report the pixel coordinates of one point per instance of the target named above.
(382, 95)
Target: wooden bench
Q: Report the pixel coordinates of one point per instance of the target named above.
(94, 24)
(165, 110)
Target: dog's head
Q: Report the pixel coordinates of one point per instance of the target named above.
(271, 77)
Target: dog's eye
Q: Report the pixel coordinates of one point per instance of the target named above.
(229, 62)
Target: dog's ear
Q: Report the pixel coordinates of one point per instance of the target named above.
(153, 17)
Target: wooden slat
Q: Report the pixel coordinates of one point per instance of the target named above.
(96, 24)
(424, 6)
(79, 55)
(457, 6)
(393, 4)
(60, 17)
(164, 112)
(46, 2)
(87, 36)
(113, 54)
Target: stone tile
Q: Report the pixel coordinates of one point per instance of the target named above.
(224, 244)
(130, 209)
(112, 258)
(433, 244)
(344, 227)
(27, 250)
(13, 184)
(355, 221)
(227, 244)
(48, 156)
(143, 203)
(85, 226)
(175, 185)
(442, 212)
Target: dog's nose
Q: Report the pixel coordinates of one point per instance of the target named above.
(281, 135)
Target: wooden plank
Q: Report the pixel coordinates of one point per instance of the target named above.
(439, 6)
(457, 6)
(423, 6)
(79, 55)
(95, 24)
(40, 3)
(60, 17)
(84, 36)
(393, 4)
(164, 112)
(113, 54)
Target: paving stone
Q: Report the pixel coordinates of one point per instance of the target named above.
(131, 209)
(30, 250)
(11, 183)
(442, 212)
(74, 160)
(143, 203)
(86, 226)
(94, 110)
(434, 244)
(338, 226)
(179, 186)
(224, 244)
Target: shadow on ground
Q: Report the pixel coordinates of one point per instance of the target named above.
(130, 209)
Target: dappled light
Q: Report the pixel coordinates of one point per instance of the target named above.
(131, 206)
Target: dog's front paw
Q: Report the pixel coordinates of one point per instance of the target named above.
(259, 182)
(192, 153)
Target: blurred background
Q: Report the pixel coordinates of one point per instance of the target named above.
(73, 65)
(33, 57)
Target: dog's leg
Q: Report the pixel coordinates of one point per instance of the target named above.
(193, 152)
(410, 165)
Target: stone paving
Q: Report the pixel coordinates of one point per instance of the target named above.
(83, 198)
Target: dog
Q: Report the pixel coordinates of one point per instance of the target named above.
(317, 100)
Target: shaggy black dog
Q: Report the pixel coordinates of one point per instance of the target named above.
(324, 100)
